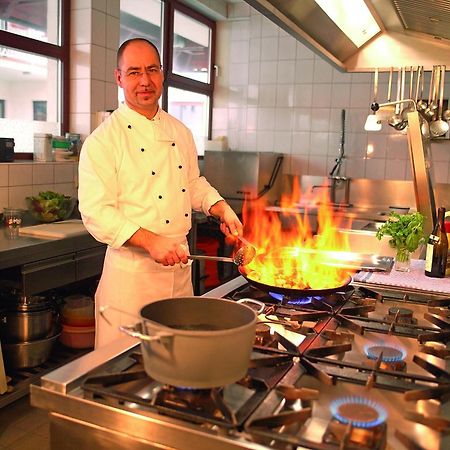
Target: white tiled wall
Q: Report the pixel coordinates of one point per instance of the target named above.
(274, 94)
(19, 180)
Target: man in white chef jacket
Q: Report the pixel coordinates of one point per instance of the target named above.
(138, 183)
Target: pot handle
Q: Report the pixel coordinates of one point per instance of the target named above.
(131, 331)
(254, 302)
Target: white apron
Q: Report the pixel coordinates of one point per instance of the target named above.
(130, 291)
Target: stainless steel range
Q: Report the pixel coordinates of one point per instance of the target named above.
(364, 368)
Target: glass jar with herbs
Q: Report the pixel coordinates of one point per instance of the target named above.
(407, 233)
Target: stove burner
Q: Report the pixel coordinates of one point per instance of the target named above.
(389, 354)
(292, 301)
(360, 412)
(402, 315)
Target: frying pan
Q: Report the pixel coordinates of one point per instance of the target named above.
(291, 292)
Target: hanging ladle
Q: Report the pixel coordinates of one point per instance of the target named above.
(242, 257)
(439, 127)
(432, 106)
(409, 107)
(396, 119)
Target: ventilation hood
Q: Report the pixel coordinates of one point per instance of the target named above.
(413, 32)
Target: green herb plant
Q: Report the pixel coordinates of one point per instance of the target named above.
(406, 231)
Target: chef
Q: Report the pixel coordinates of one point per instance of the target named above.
(138, 183)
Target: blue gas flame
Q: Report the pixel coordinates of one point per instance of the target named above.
(292, 301)
(373, 351)
(354, 400)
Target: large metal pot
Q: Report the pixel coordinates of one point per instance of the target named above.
(27, 319)
(196, 342)
(29, 354)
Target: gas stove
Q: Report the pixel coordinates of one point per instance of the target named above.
(364, 368)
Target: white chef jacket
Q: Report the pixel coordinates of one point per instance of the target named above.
(135, 172)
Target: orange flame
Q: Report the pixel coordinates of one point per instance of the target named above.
(290, 254)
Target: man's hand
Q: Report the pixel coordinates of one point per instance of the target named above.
(229, 221)
(162, 249)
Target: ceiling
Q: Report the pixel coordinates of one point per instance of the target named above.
(413, 32)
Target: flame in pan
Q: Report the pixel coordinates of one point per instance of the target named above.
(289, 254)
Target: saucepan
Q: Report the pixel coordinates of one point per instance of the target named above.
(196, 342)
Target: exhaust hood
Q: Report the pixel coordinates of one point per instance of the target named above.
(412, 32)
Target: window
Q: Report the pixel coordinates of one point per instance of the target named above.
(185, 40)
(34, 55)
(2, 109)
(39, 110)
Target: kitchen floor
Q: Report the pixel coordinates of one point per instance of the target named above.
(23, 427)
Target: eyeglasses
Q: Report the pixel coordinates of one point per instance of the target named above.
(151, 71)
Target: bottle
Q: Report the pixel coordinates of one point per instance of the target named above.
(437, 248)
(43, 147)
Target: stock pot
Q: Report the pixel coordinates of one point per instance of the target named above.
(196, 342)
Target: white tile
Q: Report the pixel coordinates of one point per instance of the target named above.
(112, 32)
(80, 26)
(81, 123)
(375, 169)
(355, 118)
(239, 74)
(378, 142)
(239, 30)
(299, 165)
(286, 72)
(113, 8)
(356, 145)
(20, 174)
(80, 96)
(80, 61)
(251, 142)
(233, 118)
(341, 77)
(440, 151)
(287, 48)
(254, 52)
(323, 72)
(239, 52)
(321, 95)
(268, 96)
(98, 95)
(265, 141)
(110, 65)
(304, 71)
(255, 25)
(43, 173)
(252, 94)
(64, 173)
(254, 70)
(355, 167)
(285, 95)
(397, 147)
(301, 142)
(252, 117)
(98, 28)
(98, 62)
(319, 143)
(284, 120)
(303, 52)
(4, 179)
(303, 95)
(320, 119)
(266, 119)
(220, 118)
(302, 119)
(100, 5)
(340, 95)
(4, 202)
(37, 188)
(396, 169)
(317, 165)
(360, 95)
(268, 72)
(66, 189)
(334, 142)
(17, 195)
(282, 142)
(440, 173)
(111, 100)
(269, 49)
(268, 28)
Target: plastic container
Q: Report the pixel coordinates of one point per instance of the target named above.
(77, 337)
(61, 148)
(78, 311)
(43, 147)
